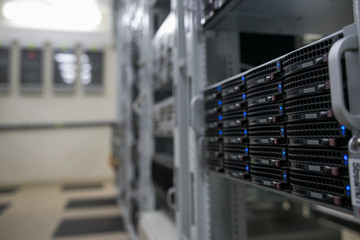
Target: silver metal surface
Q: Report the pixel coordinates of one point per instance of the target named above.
(287, 194)
(283, 17)
(341, 112)
(182, 100)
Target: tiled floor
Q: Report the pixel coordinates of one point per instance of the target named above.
(36, 212)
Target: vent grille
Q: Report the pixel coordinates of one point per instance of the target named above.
(236, 165)
(215, 149)
(213, 139)
(210, 126)
(233, 88)
(264, 71)
(229, 148)
(265, 114)
(233, 108)
(215, 164)
(211, 104)
(263, 94)
(241, 132)
(235, 153)
(268, 173)
(240, 98)
(212, 94)
(315, 130)
(265, 155)
(309, 56)
(211, 118)
(212, 110)
(314, 183)
(328, 157)
(307, 83)
(234, 121)
(309, 104)
(277, 153)
(273, 131)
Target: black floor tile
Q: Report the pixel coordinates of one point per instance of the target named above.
(8, 190)
(90, 226)
(84, 203)
(81, 186)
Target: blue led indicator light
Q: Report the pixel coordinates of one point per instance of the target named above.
(219, 102)
(246, 149)
(284, 175)
(348, 187)
(278, 64)
(282, 129)
(244, 113)
(346, 163)
(219, 88)
(247, 168)
(280, 107)
(284, 152)
(343, 128)
(243, 78)
(244, 96)
(346, 157)
(245, 131)
(343, 133)
(220, 117)
(220, 132)
(279, 85)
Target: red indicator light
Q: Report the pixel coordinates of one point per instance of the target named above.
(32, 54)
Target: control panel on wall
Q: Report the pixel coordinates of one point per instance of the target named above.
(4, 67)
(92, 72)
(65, 68)
(31, 68)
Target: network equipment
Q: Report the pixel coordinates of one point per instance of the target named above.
(214, 130)
(276, 126)
(163, 113)
(210, 8)
(164, 118)
(235, 131)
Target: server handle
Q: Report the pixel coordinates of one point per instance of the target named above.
(170, 198)
(197, 114)
(341, 112)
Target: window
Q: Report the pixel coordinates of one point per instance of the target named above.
(92, 69)
(31, 69)
(4, 68)
(65, 69)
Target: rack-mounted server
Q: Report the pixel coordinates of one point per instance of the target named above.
(235, 132)
(163, 114)
(276, 126)
(210, 8)
(214, 131)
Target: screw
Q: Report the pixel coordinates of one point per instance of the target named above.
(355, 144)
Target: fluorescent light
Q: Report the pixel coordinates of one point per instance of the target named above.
(54, 14)
(168, 26)
(65, 57)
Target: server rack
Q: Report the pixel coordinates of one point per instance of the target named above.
(251, 128)
(277, 145)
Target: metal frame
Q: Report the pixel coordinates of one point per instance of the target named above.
(182, 100)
